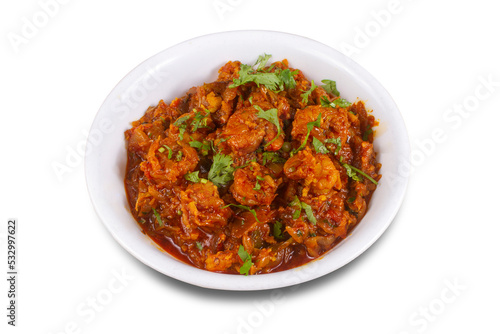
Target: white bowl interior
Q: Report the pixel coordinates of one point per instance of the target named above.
(170, 74)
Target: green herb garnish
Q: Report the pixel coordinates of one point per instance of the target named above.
(257, 184)
(368, 132)
(204, 147)
(200, 121)
(310, 125)
(158, 217)
(319, 146)
(301, 205)
(335, 141)
(221, 171)
(244, 207)
(342, 103)
(262, 61)
(162, 149)
(270, 115)
(309, 212)
(247, 260)
(247, 74)
(287, 78)
(351, 172)
(330, 86)
(305, 95)
(178, 156)
(181, 124)
(277, 230)
(199, 245)
(193, 177)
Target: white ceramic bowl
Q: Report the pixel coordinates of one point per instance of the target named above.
(172, 72)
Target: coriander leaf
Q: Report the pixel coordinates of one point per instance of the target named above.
(257, 184)
(351, 199)
(178, 157)
(199, 121)
(196, 144)
(335, 141)
(287, 78)
(351, 172)
(270, 115)
(244, 207)
(325, 102)
(305, 95)
(158, 217)
(309, 212)
(269, 80)
(343, 103)
(161, 149)
(319, 146)
(193, 177)
(181, 124)
(277, 230)
(330, 86)
(199, 245)
(301, 205)
(204, 147)
(221, 171)
(247, 260)
(262, 61)
(316, 123)
(310, 125)
(169, 151)
(296, 203)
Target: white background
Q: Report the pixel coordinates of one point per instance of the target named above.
(431, 56)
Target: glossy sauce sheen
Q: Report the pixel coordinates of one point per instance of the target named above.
(214, 182)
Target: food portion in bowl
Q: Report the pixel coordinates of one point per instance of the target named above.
(259, 171)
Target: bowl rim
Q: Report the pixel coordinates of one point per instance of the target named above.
(192, 275)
